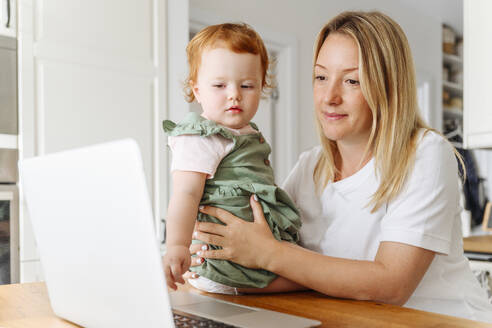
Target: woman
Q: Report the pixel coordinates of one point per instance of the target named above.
(379, 197)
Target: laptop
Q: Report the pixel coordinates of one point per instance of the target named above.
(93, 224)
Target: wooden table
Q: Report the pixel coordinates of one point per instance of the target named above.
(27, 305)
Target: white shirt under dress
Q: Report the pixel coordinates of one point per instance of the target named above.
(425, 214)
(202, 154)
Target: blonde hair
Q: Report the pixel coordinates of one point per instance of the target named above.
(387, 79)
(237, 37)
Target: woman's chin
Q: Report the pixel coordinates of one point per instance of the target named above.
(333, 135)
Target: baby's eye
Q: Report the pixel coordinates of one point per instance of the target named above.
(352, 82)
(247, 86)
(218, 85)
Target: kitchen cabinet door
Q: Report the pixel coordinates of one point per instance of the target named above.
(8, 21)
(477, 70)
(92, 71)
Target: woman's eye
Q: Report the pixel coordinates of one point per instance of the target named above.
(320, 78)
(352, 82)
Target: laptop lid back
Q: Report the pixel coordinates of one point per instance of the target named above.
(92, 221)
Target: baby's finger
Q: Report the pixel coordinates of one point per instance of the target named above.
(169, 278)
(185, 266)
(177, 273)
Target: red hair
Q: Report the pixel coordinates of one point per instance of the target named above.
(239, 38)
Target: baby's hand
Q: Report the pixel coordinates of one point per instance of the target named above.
(176, 262)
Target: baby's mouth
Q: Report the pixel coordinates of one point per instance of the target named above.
(235, 109)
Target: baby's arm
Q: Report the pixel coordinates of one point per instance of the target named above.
(181, 215)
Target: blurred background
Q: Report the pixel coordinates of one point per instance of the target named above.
(79, 72)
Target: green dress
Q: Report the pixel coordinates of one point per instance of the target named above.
(243, 171)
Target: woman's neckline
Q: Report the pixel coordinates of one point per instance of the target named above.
(356, 179)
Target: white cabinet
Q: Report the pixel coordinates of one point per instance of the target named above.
(477, 72)
(8, 18)
(89, 72)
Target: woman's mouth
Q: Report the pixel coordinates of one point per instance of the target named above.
(334, 116)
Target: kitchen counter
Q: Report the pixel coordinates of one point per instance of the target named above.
(478, 244)
(27, 305)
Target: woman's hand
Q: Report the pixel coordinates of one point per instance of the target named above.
(241, 241)
(195, 260)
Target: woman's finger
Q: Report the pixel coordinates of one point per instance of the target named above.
(169, 278)
(215, 228)
(209, 238)
(197, 247)
(222, 254)
(218, 213)
(258, 215)
(197, 260)
(190, 275)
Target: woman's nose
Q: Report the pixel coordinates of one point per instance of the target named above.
(332, 94)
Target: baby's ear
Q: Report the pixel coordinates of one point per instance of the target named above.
(196, 91)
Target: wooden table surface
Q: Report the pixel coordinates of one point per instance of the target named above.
(27, 305)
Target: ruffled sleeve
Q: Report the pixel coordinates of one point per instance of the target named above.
(197, 144)
(197, 125)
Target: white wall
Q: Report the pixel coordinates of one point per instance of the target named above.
(304, 19)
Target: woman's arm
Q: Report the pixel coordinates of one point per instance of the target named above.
(181, 215)
(280, 284)
(391, 278)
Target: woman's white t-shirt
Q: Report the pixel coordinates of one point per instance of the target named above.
(425, 214)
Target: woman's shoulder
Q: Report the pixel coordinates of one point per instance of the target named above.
(301, 176)
(310, 154)
(434, 151)
(307, 161)
(433, 144)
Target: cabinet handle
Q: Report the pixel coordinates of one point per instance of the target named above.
(7, 25)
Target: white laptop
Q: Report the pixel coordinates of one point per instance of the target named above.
(93, 223)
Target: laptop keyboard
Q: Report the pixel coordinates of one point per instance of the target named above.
(182, 319)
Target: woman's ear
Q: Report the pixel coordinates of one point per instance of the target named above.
(196, 91)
